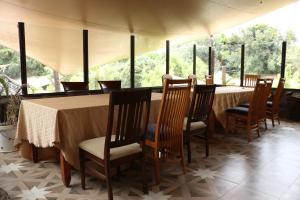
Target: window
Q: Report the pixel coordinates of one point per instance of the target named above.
(150, 61)
(60, 58)
(263, 59)
(108, 63)
(181, 60)
(292, 67)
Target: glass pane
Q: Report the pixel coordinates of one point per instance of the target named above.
(263, 59)
(109, 63)
(10, 68)
(54, 55)
(201, 63)
(227, 64)
(292, 68)
(181, 60)
(150, 61)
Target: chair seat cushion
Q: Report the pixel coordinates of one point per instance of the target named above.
(95, 146)
(238, 110)
(194, 125)
(269, 104)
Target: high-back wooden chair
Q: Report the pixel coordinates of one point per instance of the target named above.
(197, 121)
(128, 116)
(194, 79)
(167, 139)
(74, 86)
(273, 105)
(247, 118)
(107, 86)
(250, 80)
(262, 117)
(209, 79)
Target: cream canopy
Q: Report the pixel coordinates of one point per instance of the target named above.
(54, 27)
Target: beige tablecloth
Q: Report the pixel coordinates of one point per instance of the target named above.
(66, 121)
(227, 97)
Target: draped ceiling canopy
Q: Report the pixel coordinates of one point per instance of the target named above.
(54, 36)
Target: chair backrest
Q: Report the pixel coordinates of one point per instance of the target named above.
(250, 80)
(107, 86)
(256, 102)
(277, 95)
(173, 108)
(209, 79)
(201, 105)
(128, 116)
(263, 106)
(166, 76)
(74, 86)
(194, 79)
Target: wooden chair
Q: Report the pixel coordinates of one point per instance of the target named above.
(262, 117)
(74, 86)
(107, 86)
(250, 80)
(194, 79)
(273, 105)
(197, 121)
(247, 118)
(127, 119)
(165, 139)
(209, 79)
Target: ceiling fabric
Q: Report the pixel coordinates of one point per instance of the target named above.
(54, 27)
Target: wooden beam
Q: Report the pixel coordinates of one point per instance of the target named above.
(283, 60)
(194, 59)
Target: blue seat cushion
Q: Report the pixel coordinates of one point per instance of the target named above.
(238, 110)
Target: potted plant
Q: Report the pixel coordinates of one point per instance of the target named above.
(11, 106)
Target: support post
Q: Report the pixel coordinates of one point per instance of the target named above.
(194, 59)
(132, 56)
(22, 45)
(283, 59)
(167, 56)
(210, 60)
(85, 56)
(242, 64)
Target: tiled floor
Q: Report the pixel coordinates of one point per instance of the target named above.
(267, 168)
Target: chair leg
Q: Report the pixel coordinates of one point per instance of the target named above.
(278, 118)
(249, 133)
(206, 144)
(188, 140)
(108, 182)
(82, 168)
(266, 126)
(157, 171)
(145, 186)
(182, 159)
(227, 123)
(272, 116)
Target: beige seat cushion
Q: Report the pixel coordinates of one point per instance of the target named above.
(96, 147)
(194, 125)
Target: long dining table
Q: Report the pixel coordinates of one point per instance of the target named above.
(227, 97)
(59, 124)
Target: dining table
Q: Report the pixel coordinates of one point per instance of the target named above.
(55, 126)
(61, 123)
(227, 97)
